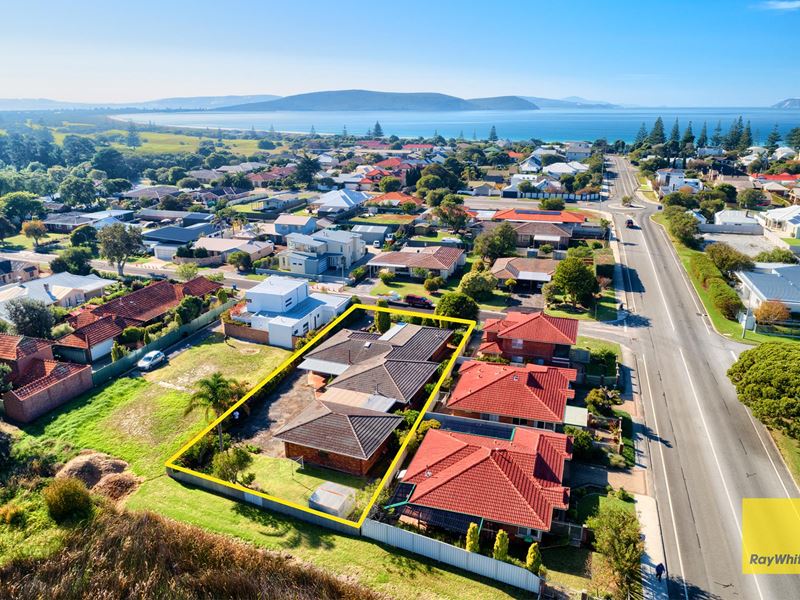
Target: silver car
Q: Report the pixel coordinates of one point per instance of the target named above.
(151, 360)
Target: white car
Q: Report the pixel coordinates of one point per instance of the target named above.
(151, 360)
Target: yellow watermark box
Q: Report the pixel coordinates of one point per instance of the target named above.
(771, 536)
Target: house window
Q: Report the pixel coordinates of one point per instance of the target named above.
(488, 417)
(518, 421)
(524, 532)
(516, 343)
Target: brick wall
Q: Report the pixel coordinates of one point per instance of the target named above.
(339, 462)
(26, 410)
(243, 332)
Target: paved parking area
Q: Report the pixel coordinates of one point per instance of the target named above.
(749, 244)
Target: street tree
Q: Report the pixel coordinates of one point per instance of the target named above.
(75, 260)
(30, 317)
(186, 271)
(457, 304)
(118, 242)
(618, 539)
(35, 230)
(576, 280)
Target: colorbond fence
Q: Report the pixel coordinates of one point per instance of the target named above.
(127, 362)
(451, 555)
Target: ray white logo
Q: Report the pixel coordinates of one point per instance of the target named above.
(774, 559)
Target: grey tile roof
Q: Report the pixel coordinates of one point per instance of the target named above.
(344, 348)
(340, 429)
(399, 379)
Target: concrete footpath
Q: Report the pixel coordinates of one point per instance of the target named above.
(653, 549)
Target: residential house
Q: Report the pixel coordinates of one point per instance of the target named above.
(265, 179)
(338, 201)
(560, 169)
(710, 151)
(211, 196)
(68, 222)
(205, 175)
(152, 192)
(326, 249)
(61, 289)
(736, 221)
(96, 329)
(222, 248)
(439, 261)
(394, 200)
(286, 224)
(456, 479)
(165, 241)
(566, 219)
(532, 395)
(533, 234)
(788, 179)
(784, 153)
(184, 218)
(39, 383)
(338, 436)
(784, 221)
(535, 271)
(383, 370)
(771, 282)
(578, 150)
(17, 271)
(285, 309)
(245, 167)
(671, 180)
(535, 337)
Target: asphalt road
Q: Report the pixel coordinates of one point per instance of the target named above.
(706, 451)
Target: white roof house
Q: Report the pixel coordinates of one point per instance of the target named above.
(63, 289)
(771, 282)
(734, 217)
(339, 200)
(783, 153)
(785, 220)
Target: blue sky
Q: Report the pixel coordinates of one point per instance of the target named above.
(673, 53)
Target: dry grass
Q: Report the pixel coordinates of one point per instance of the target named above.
(142, 555)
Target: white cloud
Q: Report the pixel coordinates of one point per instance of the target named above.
(781, 5)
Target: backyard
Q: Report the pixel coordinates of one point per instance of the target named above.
(384, 219)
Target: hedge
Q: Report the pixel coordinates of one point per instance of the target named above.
(604, 270)
(724, 298)
(704, 269)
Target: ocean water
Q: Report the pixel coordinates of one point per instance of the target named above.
(549, 124)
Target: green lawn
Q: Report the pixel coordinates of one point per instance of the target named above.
(605, 308)
(385, 219)
(436, 237)
(285, 479)
(20, 242)
(790, 449)
(591, 503)
(162, 142)
(594, 345)
(628, 447)
(568, 566)
(646, 188)
(792, 241)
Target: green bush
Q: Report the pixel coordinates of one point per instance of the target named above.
(616, 461)
(131, 335)
(12, 514)
(624, 495)
(724, 298)
(67, 499)
(604, 270)
(703, 269)
(358, 273)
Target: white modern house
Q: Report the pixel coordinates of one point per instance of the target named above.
(784, 221)
(672, 180)
(326, 249)
(773, 282)
(285, 308)
(339, 201)
(578, 150)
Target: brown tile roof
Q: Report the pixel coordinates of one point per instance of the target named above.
(43, 374)
(511, 266)
(428, 257)
(14, 347)
(340, 429)
(200, 286)
(91, 334)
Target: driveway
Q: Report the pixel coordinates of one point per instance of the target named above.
(292, 396)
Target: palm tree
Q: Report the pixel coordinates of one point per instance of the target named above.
(216, 393)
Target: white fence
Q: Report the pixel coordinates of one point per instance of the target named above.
(448, 554)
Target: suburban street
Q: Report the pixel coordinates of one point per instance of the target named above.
(706, 451)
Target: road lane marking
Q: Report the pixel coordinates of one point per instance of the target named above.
(666, 480)
(714, 454)
(658, 282)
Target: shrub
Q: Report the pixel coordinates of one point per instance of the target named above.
(473, 538)
(724, 298)
(546, 249)
(582, 442)
(533, 561)
(386, 276)
(500, 550)
(772, 311)
(131, 335)
(12, 514)
(551, 204)
(703, 269)
(596, 245)
(616, 461)
(358, 273)
(624, 495)
(67, 499)
(727, 258)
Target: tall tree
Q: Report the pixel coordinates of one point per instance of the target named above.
(576, 279)
(493, 134)
(21, 206)
(746, 139)
(641, 136)
(377, 131)
(216, 394)
(132, 140)
(618, 539)
(773, 139)
(702, 139)
(77, 149)
(30, 317)
(35, 230)
(675, 134)
(307, 168)
(118, 242)
(688, 136)
(657, 135)
(77, 191)
(793, 138)
(716, 137)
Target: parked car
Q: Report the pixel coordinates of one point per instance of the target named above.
(151, 360)
(376, 244)
(418, 301)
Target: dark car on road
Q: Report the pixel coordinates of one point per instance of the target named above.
(418, 301)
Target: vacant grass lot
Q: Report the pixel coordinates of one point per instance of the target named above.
(605, 308)
(51, 243)
(384, 219)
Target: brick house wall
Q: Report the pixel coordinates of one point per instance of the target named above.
(504, 419)
(339, 462)
(528, 350)
(27, 409)
(21, 366)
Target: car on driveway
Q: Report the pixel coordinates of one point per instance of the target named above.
(151, 360)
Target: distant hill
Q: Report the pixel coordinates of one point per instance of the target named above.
(568, 102)
(187, 103)
(346, 100)
(788, 103)
(503, 103)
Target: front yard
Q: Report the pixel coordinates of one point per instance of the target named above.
(384, 219)
(604, 309)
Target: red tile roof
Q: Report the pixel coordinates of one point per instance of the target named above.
(534, 327)
(14, 347)
(389, 163)
(43, 374)
(96, 332)
(543, 216)
(417, 146)
(534, 392)
(200, 286)
(516, 482)
(781, 177)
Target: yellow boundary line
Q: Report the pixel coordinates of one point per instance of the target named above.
(170, 464)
